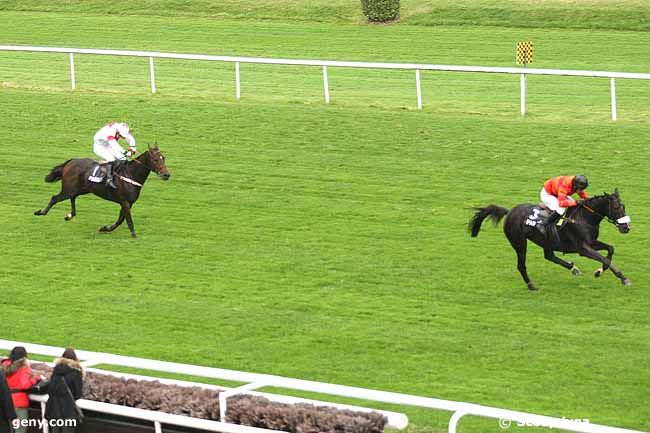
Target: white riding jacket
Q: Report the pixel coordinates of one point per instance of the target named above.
(112, 132)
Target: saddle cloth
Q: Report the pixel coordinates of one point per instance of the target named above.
(98, 173)
(536, 216)
(539, 214)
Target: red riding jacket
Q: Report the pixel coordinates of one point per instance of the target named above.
(562, 187)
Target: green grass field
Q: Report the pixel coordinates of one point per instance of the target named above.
(328, 242)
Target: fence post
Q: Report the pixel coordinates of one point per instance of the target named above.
(523, 94)
(237, 80)
(612, 87)
(326, 85)
(152, 75)
(419, 89)
(73, 83)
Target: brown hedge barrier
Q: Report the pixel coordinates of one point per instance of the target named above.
(242, 409)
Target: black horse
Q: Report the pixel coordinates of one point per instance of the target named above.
(578, 235)
(129, 178)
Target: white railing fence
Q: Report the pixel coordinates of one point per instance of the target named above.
(523, 72)
(254, 380)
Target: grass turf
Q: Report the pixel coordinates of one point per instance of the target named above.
(328, 242)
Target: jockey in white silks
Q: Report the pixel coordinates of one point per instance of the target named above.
(107, 148)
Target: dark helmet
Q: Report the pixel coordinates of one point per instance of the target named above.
(580, 181)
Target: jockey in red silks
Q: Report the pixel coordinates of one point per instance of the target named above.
(106, 147)
(556, 196)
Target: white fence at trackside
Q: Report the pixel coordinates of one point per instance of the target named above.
(339, 64)
(253, 380)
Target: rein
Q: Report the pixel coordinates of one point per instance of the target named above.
(131, 181)
(610, 220)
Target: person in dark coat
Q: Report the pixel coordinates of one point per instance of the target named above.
(7, 412)
(65, 388)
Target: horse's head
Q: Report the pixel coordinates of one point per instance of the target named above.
(155, 161)
(616, 212)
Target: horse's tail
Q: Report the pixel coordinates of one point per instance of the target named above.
(56, 173)
(494, 212)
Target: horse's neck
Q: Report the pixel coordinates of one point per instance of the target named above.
(138, 170)
(598, 205)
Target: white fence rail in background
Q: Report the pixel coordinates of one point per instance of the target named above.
(339, 64)
(253, 380)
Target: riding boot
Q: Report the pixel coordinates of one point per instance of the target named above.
(549, 227)
(109, 176)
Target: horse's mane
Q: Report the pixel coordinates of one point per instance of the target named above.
(597, 197)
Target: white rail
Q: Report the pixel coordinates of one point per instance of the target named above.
(343, 64)
(459, 409)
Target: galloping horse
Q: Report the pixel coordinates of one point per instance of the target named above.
(129, 179)
(579, 234)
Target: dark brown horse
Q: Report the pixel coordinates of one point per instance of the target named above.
(129, 178)
(579, 234)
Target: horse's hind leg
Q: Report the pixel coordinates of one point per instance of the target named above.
(73, 210)
(520, 247)
(550, 256)
(54, 200)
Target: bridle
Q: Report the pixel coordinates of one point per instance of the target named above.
(135, 159)
(617, 222)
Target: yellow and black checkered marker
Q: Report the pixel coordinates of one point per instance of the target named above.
(524, 53)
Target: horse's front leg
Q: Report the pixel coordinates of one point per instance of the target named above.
(587, 251)
(550, 256)
(126, 208)
(598, 246)
(115, 225)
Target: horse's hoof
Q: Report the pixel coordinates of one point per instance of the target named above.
(133, 235)
(38, 212)
(576, 271)
(626, 282)
(598, 272)
(103, 229)
(532, 287)
(68, 217)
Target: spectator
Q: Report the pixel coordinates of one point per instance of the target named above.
(20, 378)
(65, 388)
(7, 412)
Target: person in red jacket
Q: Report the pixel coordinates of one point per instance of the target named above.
(20, 378)
(556, 195)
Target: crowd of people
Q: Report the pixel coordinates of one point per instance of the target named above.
(64, 388)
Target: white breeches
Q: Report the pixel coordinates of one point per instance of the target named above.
(551, 201)
(107, 151)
